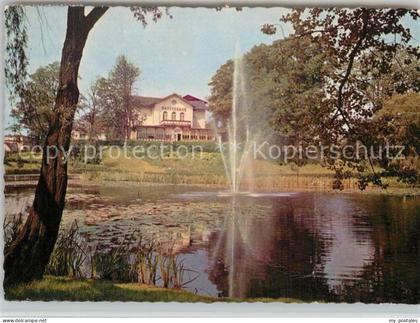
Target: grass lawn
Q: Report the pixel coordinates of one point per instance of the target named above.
(202, 163)
(66, 289)
(27, 164)
(53, 288)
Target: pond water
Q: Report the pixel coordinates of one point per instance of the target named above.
(308, 246)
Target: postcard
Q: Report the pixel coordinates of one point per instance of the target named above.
(230, 154)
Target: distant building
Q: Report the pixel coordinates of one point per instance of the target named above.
(171, 118)
(80, 133)
(18, 142)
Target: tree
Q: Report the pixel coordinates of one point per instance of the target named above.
(398, 124)
(285, 81)
(220, 100)
(91, 120)
(115, 98)
(29, 253)
(298, 72)
(262, 81)
(37, 101)
(362, 45)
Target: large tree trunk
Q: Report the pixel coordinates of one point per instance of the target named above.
(29, 254)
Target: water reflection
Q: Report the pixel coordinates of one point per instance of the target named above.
(307, 246)
(314, 247)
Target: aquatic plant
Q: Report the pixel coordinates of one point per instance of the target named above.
(144, 264)
(132, 259)
(111, 264)
(11, 229)
(69, 254)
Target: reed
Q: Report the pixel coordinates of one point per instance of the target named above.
(69, 254)
(111, 264)
(11, 230)
(262, 182)
(132, 260)
(163, 178)
(145, 262)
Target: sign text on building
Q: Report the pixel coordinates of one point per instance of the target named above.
(174, 108)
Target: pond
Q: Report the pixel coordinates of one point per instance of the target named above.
(325, 247)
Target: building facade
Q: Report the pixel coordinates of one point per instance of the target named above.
(172, 118)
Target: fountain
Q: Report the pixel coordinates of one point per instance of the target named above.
(242, 134)
(237, 163)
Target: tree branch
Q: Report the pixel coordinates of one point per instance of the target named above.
(352, 57)
(350, 67)
(94, 15)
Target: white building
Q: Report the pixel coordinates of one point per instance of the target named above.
(171, 118)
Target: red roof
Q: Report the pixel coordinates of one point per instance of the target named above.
(149, 102)
(189, 97)
(195, 102)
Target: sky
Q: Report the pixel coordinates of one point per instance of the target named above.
(174, 55)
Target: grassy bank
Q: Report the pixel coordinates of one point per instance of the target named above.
(204, 168)
(209, 170)
(53, 288)
(65, 289)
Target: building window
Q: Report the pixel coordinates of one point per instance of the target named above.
(181, 116)
(165, 115)
(173, 116)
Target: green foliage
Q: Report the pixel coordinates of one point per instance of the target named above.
(91, 122)
(368, 66)
(220, 100)
(131, 259)
(405, 107)
(69, 254)
(16, 61)
(140, 13)
(22, 163)
(37, 101)
(205, 146)
(11, 230)
(111, 264)
(285, 85)
(114, 98)
(81, 152)
(298, 69)
(398, 124)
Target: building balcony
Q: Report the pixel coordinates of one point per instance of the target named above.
(182, 123)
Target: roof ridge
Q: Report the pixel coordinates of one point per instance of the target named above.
(149, 97)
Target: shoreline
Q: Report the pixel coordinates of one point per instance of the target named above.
(81, 182)
(62, 288)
